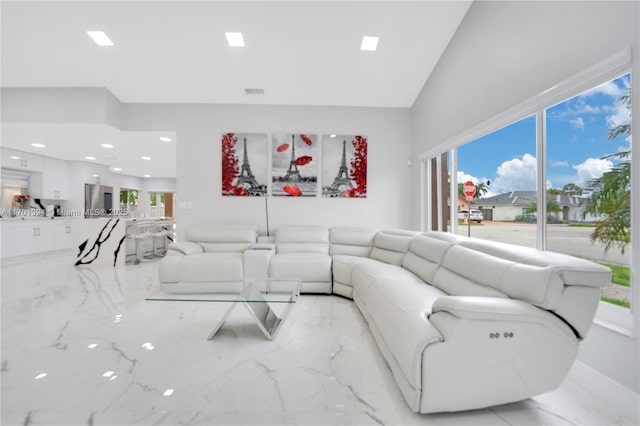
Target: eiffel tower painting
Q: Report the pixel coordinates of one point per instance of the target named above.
(246, 178)
(342, 180)
(294, 165)
(344, 166)
(293, 174)
(238, 177)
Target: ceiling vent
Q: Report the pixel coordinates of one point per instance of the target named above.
(256, 91)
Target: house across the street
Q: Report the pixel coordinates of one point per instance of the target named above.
(506, 206)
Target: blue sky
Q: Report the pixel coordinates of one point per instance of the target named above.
(577, 138)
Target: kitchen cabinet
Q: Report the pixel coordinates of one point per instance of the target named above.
(53, 182)
(19, 160)
(62, 234)
(33, 236)
(7, 239)
(26, 237)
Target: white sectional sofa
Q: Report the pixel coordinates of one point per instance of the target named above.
(462, 323)
(210, 259)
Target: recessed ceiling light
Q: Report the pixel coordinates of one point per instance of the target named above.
(117, 169)
(254, 91)
(146, 158)
(14, 157)
(369, 43)
(106, 145)
(94, 175)
(38, 145)
(100, 38)
(234, 39)
(147, 175)
(165, 139)
(332, 135)
(89, 157)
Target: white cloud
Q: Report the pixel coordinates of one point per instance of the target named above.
(516, 175)
(463, 177)
(621, 115)
(609, 88)
(563, 163)
(578, 123)
(591, 168)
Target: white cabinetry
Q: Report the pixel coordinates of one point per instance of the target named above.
(25, 237)
(33, 236)
(62, 234)
(53, 182)
(19, 160)
(7, 239)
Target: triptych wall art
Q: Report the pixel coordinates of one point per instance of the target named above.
(292, 165)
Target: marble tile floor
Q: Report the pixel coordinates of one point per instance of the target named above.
(81, 346)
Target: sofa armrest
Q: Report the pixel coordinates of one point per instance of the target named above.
(497, 309)
(185, 248)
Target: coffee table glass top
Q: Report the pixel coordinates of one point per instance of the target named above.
(259, 290)
(256, 295)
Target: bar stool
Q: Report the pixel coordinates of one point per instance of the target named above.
(160, 232)
(139, 233)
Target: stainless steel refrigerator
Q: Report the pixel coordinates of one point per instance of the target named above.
(98, 200)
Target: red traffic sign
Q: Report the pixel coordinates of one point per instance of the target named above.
(469, 189)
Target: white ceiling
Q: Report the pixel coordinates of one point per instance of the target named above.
(299, 52)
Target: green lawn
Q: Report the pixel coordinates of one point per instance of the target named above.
(615, 301)
(621, 274)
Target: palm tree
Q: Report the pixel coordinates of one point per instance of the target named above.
(611, 195)
(571, 189)
(553, 206)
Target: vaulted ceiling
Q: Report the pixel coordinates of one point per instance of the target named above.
(298, 52)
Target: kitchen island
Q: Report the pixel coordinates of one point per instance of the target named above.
(112, 241)
(99, 241)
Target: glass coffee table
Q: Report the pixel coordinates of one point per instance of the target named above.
(260, 297)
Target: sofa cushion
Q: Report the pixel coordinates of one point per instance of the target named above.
(365, 274)
(201, 267)
(574, 270)
(301, 266)
(302, 239)
(389, 246)
(425, 256)
(351, 241)
(479, 274)
(343, 267)
(214, 237)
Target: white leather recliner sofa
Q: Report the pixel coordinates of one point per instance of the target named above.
(211, 259)
(467, 323)
(462, 323)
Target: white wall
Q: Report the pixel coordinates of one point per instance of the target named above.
(503, 54)
(198, 133)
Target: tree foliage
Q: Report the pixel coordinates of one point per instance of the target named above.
(481, 189)
(611, 194)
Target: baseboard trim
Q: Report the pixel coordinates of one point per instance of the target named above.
(610, 391)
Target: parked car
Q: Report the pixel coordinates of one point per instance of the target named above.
(476, 215)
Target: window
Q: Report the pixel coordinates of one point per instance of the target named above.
(503, 167)
(129, 201)
(161, 204)
(583, 162)
(588, 180)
